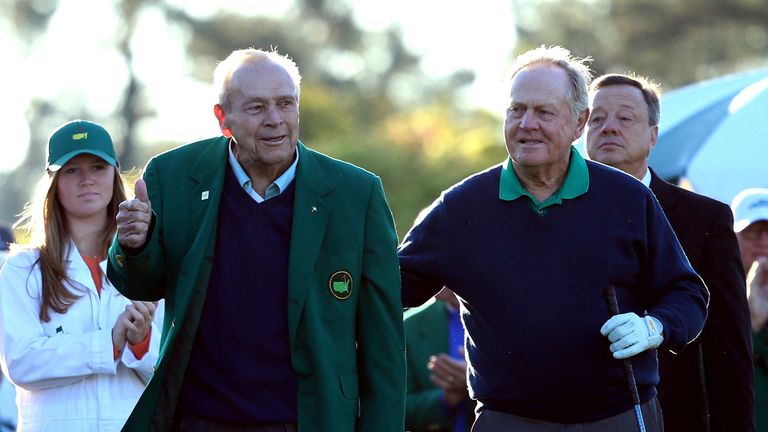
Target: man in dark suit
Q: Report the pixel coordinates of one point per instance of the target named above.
(279, 269)
(709, 386)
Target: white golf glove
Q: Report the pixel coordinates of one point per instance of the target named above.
(631, 334)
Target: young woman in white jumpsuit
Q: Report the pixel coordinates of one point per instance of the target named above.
(77, 351)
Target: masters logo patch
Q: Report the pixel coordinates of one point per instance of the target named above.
(340, 285)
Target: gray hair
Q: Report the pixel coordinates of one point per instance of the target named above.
(224, 70)
(576, 68)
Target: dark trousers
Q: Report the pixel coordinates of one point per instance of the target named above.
(195, 424)
(495, 421)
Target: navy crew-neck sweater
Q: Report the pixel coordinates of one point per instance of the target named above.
(240, 367)
(531, 286)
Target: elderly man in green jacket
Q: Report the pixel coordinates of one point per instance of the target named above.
(279, 269)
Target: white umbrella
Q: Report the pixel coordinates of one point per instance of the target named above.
(714, 135)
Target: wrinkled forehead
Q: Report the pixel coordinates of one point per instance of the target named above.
(540, 85)
(541, 75)
(262, 77)
(619, 95)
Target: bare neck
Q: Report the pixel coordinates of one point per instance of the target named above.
(88, 235)
(636, 170)
(541, 182)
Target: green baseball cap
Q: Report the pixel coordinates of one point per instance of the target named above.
(78, 137)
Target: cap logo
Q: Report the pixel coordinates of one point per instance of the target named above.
(79, 136)
(340, 284)
(759, 203)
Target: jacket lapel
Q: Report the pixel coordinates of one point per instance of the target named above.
(207, 181)
(663, 193)
(310, 216)
(205, 184)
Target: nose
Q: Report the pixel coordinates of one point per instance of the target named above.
(610, 126)
(273, 116)
(86, 178)
(528, 121)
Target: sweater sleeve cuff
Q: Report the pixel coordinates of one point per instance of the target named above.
(142, 347)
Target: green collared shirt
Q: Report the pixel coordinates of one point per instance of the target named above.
(576, 183)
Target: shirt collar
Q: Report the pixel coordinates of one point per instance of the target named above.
(277, 187)
(576, 182)
(647, 178)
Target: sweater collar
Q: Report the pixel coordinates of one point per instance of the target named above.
(576, 182)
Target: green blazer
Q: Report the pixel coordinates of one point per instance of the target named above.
(426, 334)
(347, 342)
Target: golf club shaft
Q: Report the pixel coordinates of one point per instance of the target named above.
(629, 374)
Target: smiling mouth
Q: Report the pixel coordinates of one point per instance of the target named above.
(273, 140)
(530, 141)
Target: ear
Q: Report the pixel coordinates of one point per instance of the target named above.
(654, 137)
(218, 111)
(581, 123)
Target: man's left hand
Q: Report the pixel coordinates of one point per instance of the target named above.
(630, 334)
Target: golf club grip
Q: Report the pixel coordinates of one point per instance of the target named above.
(629, 374)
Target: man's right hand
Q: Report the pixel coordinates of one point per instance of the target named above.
(450, 374)
(134, 217)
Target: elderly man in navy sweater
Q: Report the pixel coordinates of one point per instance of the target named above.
(531, 245)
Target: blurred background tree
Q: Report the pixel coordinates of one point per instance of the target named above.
(675, 43)
(365, 97)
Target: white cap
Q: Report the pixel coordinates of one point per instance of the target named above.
(749, 206)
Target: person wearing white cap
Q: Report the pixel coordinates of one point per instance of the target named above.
(750, 221)
(78, 352)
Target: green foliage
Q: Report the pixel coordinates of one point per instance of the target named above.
(417, 153)
(364, 100)
(364, 97)
(673, 42)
